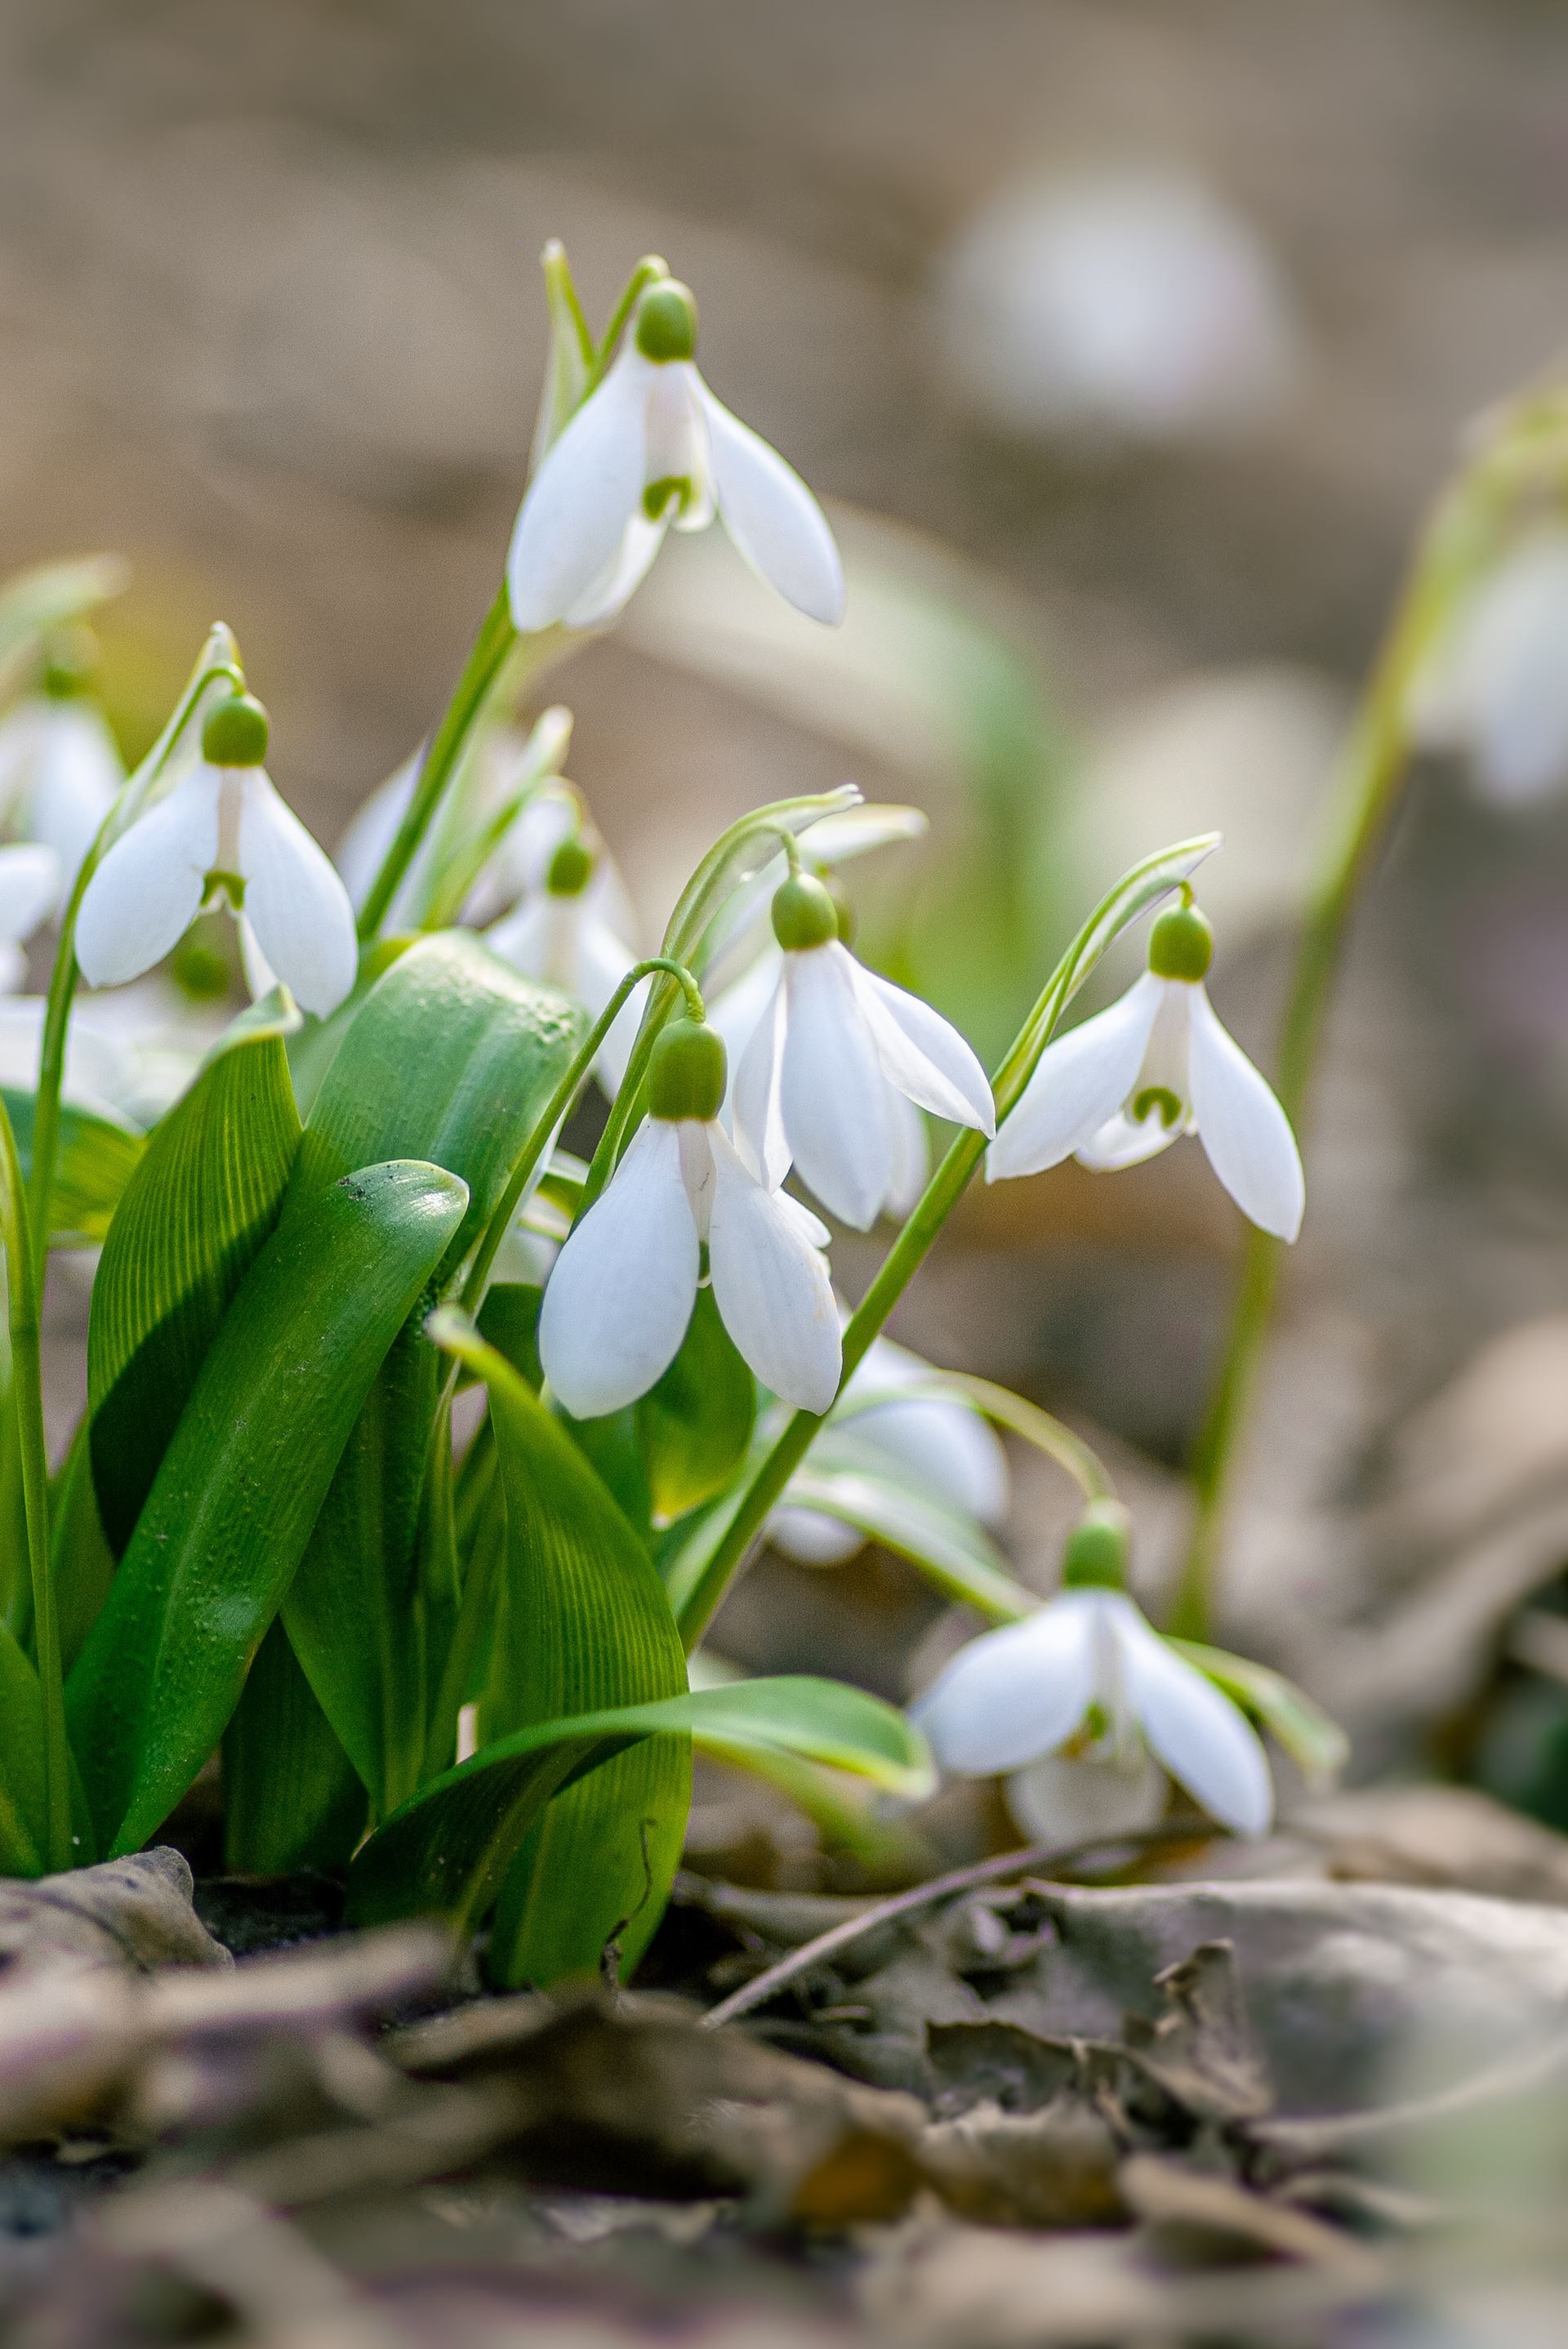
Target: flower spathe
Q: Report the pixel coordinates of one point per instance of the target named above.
(1090, 1665)
(621, 1295)
(222, 830)
(1134, 1079)
(652, 446)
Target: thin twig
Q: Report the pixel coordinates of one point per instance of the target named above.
(941, 1888)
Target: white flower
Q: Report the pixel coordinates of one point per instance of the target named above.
(832, 1053)
(618, 1301)
(29, 891)
(1155, 1066)
(1498, 688)
(60, 763)
(940, 1441)
(223, 829)
(1088, 1664)
(652, 446)
(560, 933)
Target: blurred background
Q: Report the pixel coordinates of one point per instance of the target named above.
(1128, 345)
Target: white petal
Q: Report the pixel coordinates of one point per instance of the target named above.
(573, 519)
(735, 1011)
(535, 938)
(620, 577)
(1014, 1694)
(945, 1445)
(76, 778)
(772, 518)
(30, 881)
(295, 900)
(812, 1540)
(1124, 1141)
(921, 1054)
(1243, 1129)
(831, 1089)
(1075, 1801)
(911, 1153)
(602, 962)
(148, 890)
(362, 851)
(1081, 1080)
(618, 1304)
(771, 1285)
(1206, 1744)
(757, 1112)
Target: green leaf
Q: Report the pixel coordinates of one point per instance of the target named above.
(451, 1058)
(230, 1512)
(81, 1558)
(96, 1160)
(447, 1849)
(585, 1624)
(696, 1424)
(195, 1212)
(292, 1797)
(948, 1548)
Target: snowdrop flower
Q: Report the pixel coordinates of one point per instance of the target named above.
(832, 1051)
(1157, 1065)
(1088, 1671)
(29, 892)
(560, 934)
(941, 1441)
(652, 446)
(222, 830)
(619, 1299)
(60, 764)
(1498, 689)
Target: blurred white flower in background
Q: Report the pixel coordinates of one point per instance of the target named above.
(60, 770)
(1496, 689)
(1132, 304)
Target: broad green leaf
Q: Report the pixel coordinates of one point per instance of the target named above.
(445, 1852)
(225, 1524)
(96, 1160)
(450, 1058)
(585, 1625)
(1312, 1739)
(292, 1797)
(23, 1843)
(695, 1424)
(949, 1548)
(195, 1212)
(81, 1558)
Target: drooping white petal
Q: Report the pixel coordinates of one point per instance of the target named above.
(1079, 1081)
(573, 517)
(295, 900)
(1014, 1694)
(756, 1113)
(770, 1284)
(812, 1540)
(1071, 1800)
(21, 732)
(772, 518)
(921, 1054)
(148, 890)
(1125, 1141)
(30, 881)
(831, 1090)
(77, 773)
(618, 1304)
(911, 1153)
(362, 851)
(620, 577)
(1206, 1744)
(602, 962)
(1243, 1128)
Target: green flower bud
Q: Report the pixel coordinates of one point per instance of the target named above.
(667, 321)
(686, 1071)
(1181, 945)
(68, 664)
(1096, 1554)
(571, 869)
(804, 913)
(234, 733)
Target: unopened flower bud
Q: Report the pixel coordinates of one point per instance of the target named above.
(686, 1071)
(1181, 945)
(804, 914)
(570, 868)
(234, 733)
(1097, 1548)
(667, 321)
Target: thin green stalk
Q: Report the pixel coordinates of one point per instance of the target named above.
(28, 1396)
(1133, 894)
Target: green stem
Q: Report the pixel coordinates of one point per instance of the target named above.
(451, 738)
(28, 1392)
(1014, 1412)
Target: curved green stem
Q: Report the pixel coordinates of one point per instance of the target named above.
(1015, 1413)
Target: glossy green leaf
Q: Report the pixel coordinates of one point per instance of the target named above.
(292, 1797)
(445, 1852)
(81, 1558)
(195, 1212)
(226, 1523)
(451, 1058)
(585, 1625)
(694, 1425)
(948, 1548)
(96, 1160)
